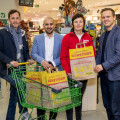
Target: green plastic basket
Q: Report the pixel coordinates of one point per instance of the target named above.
(33, 94)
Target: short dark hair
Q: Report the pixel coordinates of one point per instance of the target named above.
(13, 11)
(106, 9)
(75, 17)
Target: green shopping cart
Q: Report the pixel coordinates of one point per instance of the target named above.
(33, 94)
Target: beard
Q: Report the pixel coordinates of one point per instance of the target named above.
(49, 32)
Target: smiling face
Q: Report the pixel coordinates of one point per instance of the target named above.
(14, 20)
(78, 24)
(49, 25)
(108, 19)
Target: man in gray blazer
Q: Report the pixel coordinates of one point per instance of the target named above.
(46, 51)
(108, 64)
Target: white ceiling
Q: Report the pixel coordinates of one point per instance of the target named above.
(46, 7)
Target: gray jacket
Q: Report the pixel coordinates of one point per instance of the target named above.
(111, 54)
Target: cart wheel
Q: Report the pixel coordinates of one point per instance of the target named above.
(80, 84)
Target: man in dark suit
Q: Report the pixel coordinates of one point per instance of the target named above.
(13, 49)
(108, 64)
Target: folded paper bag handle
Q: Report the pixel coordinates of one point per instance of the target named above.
(80, 44)
(50, 70)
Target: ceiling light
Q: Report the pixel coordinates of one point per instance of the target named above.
(45, 1)
(54, 8)
(95, 18)
(42, 19)
(89, 18)
(58, 14)
(89, 5)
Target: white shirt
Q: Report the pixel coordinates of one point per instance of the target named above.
(79, 36)
(49, 44)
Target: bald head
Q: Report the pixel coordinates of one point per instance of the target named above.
(48, 18)
(49, 25)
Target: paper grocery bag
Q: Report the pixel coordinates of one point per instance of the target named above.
(33, 88)
(33, 76)
(33, 94)
(43, 77)
(53, 100)
(56, 80)
(82, 63)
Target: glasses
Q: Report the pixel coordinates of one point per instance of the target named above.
(49, 24)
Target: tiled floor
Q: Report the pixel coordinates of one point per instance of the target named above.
(98, 114)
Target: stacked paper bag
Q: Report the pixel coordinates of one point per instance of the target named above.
(33, 88)
(56, 80)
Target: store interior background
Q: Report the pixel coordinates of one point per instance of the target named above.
(35, 16)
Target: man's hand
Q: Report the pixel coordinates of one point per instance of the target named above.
(98, 68)
(46, 65)
(14, 63)
(30, 61)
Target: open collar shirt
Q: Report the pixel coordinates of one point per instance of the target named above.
(49, 45)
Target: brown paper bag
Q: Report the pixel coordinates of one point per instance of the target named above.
(53, 100)
(56, 80)
(33, 94)
(82, 63)
(33, 88)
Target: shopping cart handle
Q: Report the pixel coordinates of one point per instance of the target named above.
(56, 91)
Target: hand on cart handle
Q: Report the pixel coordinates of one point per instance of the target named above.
(31, 61)
(14, 64)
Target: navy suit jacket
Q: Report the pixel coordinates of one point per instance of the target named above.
(111, 54)
(38, 49)
(8, 49)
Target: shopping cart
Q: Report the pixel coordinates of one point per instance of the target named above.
(33, 94)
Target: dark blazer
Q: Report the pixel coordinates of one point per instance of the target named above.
(8, 49)
(111, 54)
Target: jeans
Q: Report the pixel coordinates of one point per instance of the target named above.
(111, 97)
(78, 109)
(42, 112)
(13, 99)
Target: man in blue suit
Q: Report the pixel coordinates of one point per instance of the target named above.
(108, 64)
(46, 51)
